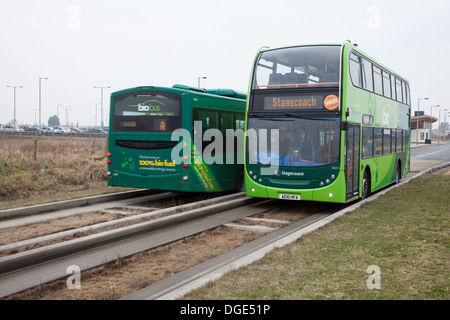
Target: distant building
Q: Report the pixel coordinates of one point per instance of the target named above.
(421, 125)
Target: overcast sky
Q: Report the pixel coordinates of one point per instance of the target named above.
(79, 44)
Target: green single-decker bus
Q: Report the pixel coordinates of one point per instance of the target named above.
(174, 138)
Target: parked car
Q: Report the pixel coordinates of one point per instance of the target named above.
(46, 130)
(7, 127)
(11, 128)
(97, 130)
(62, 130)
(29, 129)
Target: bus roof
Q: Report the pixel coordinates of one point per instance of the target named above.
(220, 92)
(353, 46)
(228, 93)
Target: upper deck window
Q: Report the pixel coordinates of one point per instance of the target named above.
(298, 67)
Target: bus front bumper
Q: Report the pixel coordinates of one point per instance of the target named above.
(334, 192)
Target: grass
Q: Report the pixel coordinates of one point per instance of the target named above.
(404, 232)
(73, 168)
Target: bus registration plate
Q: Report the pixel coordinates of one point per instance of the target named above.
(289, 197)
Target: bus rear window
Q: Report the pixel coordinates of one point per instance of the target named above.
(147, 112)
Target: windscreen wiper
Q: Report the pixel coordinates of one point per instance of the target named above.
(262, 115)
(259, 115)
(303, 116)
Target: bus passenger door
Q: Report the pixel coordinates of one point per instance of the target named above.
(352, 154)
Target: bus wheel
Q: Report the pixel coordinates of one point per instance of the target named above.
(241, 182)
(366, 185)
(399, 174)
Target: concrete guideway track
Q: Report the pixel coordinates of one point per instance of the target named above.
(87, 204)
(133, 219)
(183, 282)
(50, 263)
(178, 285)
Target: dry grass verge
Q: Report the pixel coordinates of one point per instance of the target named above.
(71, 165)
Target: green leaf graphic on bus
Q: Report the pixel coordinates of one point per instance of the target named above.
(127, 161)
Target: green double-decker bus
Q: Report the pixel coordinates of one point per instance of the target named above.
(324, 123)
(156, 139)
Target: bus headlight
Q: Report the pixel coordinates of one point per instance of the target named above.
(185, 178)
(327, 179)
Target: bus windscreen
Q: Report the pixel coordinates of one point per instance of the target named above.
(298, 67)
(298, 143)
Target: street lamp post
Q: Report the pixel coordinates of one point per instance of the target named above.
(445, 121)
(14, 119)
(418, 118)
(198, 78)
(96, 113)
(431, 121)
(445, 114)
(40, 122)
(57, 113)
(35, 120)
(67, 115)
(101, 103)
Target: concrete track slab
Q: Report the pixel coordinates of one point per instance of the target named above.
(11, 283)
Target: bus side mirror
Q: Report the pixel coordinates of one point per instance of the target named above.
(344, 125)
